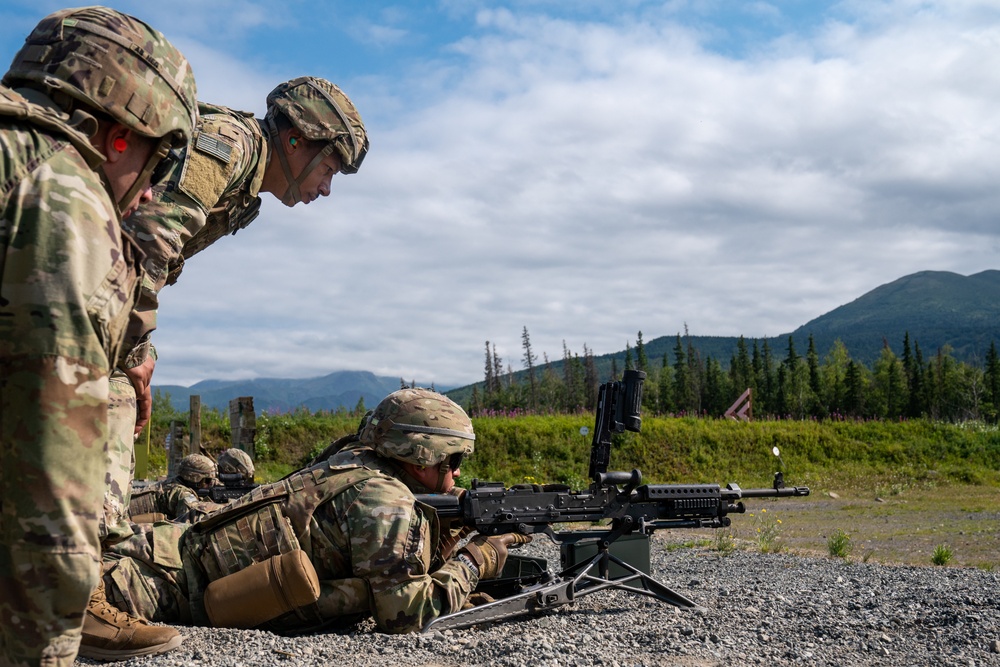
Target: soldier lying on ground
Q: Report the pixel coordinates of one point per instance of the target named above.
(176, 498)
(236, 472)
(331, 543)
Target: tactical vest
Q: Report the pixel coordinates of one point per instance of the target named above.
(75, 129)
(272, 519)
(149, 499)
(208, 169)
(39, 110)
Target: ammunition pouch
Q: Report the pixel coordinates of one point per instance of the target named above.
(262, 592)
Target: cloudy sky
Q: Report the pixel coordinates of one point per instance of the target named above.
(584, 169)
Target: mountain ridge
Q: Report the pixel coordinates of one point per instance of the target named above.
(935, 308)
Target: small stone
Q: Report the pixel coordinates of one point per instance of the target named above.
(995, 646)
(832, 494)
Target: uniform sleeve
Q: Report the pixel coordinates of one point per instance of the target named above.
(392, 545)
(183, 504)
(216, 163)
(160, 228)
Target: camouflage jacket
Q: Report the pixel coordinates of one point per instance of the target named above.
(212, 192)
(168, 497)
(48, 175)
(373, 546)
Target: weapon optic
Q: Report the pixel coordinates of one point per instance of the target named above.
(633, 511)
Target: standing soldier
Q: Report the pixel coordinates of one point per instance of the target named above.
(90, 110)
(310, 132)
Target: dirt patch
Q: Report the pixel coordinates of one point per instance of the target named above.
(905, 527)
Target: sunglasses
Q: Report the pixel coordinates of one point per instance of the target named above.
(164, 167)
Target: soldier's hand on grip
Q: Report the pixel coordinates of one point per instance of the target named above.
(490, 553)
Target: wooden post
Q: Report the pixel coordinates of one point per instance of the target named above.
(243, 424)
(176, 447)
(195, 425)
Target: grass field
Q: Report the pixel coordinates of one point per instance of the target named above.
(906, 527)
(889, 491)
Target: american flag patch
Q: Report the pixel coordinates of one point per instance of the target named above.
(214, 146)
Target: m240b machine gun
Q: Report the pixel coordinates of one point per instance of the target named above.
(634, 510)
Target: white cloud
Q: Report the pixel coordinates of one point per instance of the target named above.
(588, 180)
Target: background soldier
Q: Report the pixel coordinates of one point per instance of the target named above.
(311, 131)
(89, 110)
(334, 542)
(236, 472)
(177, 498)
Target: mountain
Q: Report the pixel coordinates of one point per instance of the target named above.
(936, 309)
(338, 389)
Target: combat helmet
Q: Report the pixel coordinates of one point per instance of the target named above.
(419, 426)
(115, 64)
(235, 467)
(322, 113)
(196, 468)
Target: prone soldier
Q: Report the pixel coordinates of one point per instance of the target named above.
(236, 472)
(333, 543)
(91, 109)
(177, 498)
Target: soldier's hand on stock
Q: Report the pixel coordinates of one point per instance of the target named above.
(490, 553)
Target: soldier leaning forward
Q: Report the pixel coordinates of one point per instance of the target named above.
(90, 110)
(332, 543)
(310, 132)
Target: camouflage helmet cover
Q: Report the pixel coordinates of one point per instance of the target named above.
(237, 464)
(322, 112)
(195, 467)
(419, 426)
(114, 63)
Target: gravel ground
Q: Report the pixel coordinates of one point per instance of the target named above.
(760, 609)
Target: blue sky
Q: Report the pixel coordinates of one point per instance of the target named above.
(586, 170)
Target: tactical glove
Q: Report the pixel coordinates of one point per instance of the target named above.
(490, 553)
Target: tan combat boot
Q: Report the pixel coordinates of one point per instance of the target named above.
(110, 634)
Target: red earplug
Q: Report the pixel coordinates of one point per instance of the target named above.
(120, 145)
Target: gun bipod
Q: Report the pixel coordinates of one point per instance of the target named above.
(603, 570)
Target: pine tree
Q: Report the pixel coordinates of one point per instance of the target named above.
(641, 361)
(529, 363)
(665, 402)
(590, 380)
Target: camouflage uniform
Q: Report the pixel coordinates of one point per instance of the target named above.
(68, 279)
(211, 193)
(371, 543)
(169, 497)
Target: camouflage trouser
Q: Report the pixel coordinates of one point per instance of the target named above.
(145, 574)
(52, 433)
(120, 455)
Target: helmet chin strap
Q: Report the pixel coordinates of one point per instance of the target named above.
(293, 182)
(162, 148)
(443, 471)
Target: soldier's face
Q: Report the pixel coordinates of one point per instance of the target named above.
(438, 479)
(317, 181)
(124, 166)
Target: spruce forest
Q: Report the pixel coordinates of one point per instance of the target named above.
(787, 383)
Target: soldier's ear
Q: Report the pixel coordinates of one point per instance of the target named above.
(115, 142)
